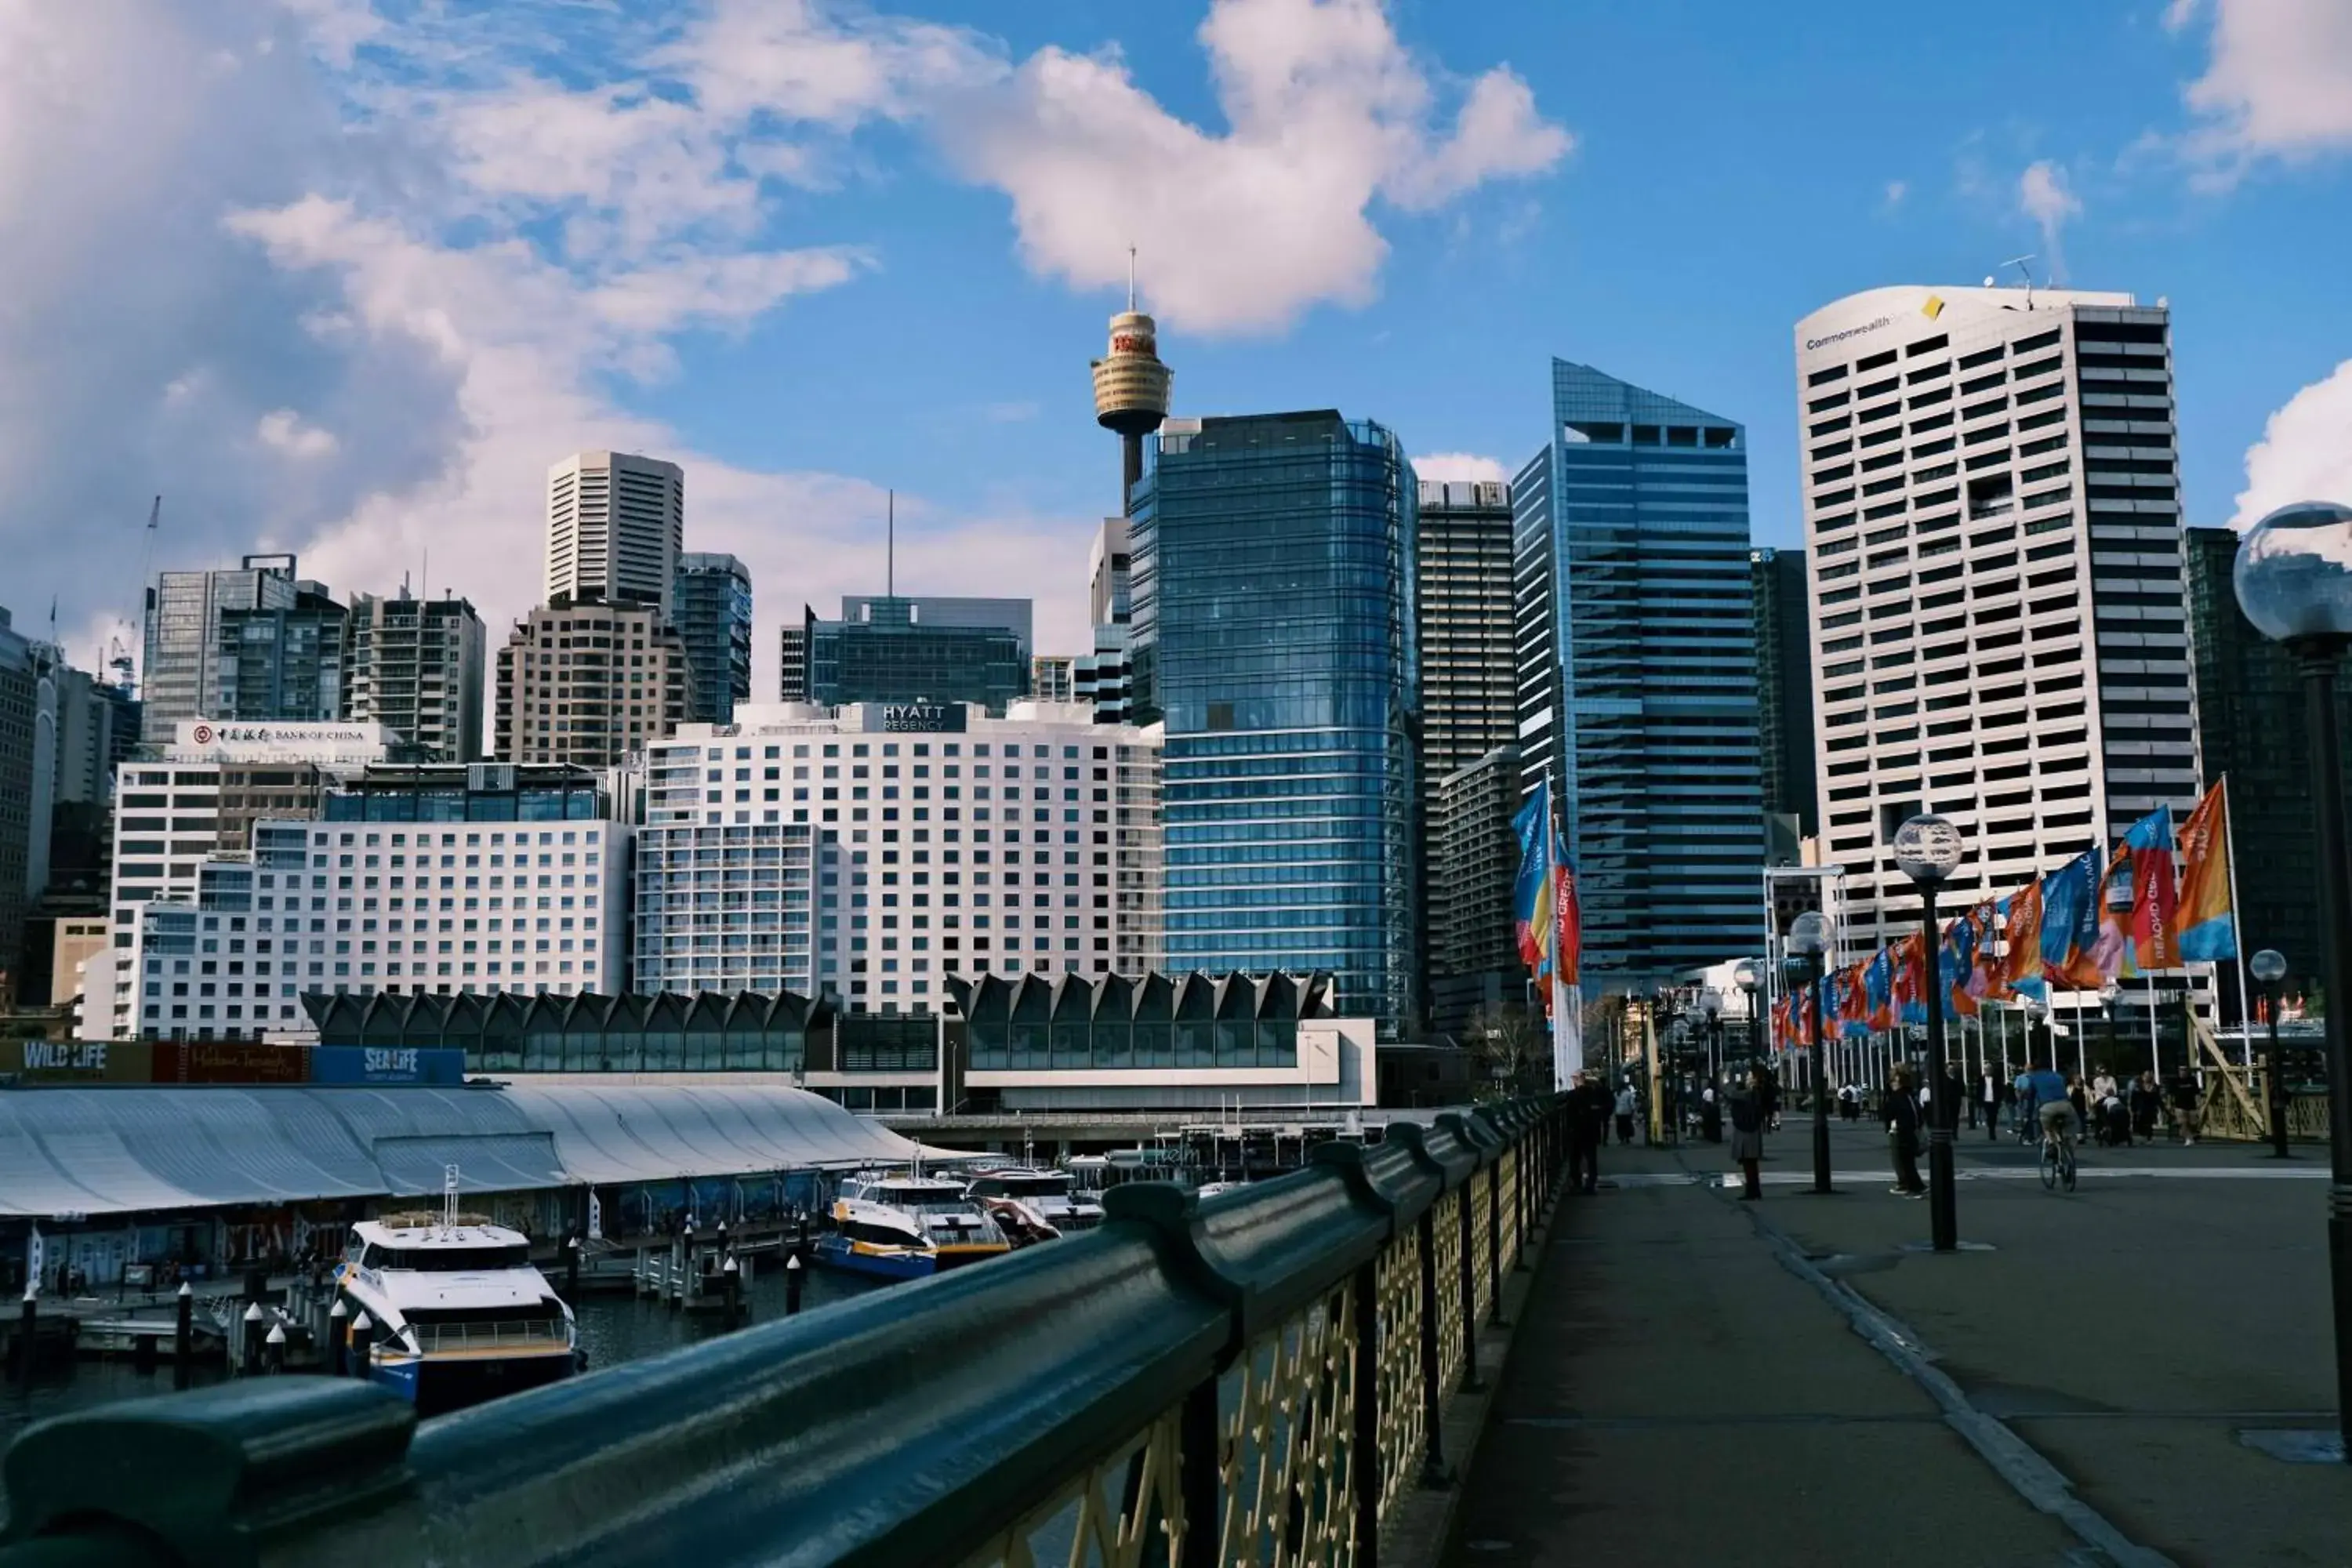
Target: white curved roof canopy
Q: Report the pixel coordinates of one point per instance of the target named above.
(115, 1151)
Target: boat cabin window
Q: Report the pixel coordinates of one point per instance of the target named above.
(449, 1259)
(1036, 1185)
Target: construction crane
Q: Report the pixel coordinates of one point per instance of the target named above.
(118, 658)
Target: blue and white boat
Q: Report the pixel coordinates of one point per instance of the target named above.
(457, 1314)
(906, 1228)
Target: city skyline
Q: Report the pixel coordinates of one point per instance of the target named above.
(424, 376)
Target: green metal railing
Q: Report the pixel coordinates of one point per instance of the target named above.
(1256, 1379)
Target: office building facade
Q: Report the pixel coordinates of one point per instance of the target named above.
(616, 528)
(870, 853)
(417, 668)
(201, 800)
(1473, 950)
(2252, 732)
(587, 685)
(1052, 676)
(1273, 561)
(918, 650)
(1784, 689)
(713, 614)
(442, 880)
(1464, 636)
(180, 673)
(19, 696)
(1637, 674)
(282, 664)
(1992, 513)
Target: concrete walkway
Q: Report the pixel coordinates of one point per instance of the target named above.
(1798, 1381)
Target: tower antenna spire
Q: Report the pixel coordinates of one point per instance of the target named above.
(1131, 278)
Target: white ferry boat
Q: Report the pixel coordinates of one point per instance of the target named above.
(458, 1315)
(1052, 1196)
(906, 1228)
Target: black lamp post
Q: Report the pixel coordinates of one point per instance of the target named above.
(1809, 938)
(2295, 583)
(2270, 967)
(1927, 850)
(1749, 978)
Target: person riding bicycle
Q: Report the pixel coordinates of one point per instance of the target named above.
(2061, 1124)
(2036, 1088)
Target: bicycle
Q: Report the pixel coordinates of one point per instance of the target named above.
(2057, 1162)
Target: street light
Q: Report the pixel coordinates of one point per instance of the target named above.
(1749, 978)
(2109, 994)
(2270, 967)
(2295, 583)
(1927, 850)
(1809, 938)
(1711, 1002)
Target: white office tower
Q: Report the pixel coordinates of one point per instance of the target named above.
(872, 850)
(1992, 517)
(616, 524)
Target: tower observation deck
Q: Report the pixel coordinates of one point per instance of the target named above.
(1131, 389)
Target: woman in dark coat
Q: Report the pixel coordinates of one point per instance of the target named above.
(1750, 1105)
(1902, 1136)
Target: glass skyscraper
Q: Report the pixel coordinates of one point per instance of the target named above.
(711, 608)
(1273, 566)
(1637, 674)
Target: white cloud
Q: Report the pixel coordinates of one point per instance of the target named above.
(1896, 191)
(284, 429)
(2278, 82)
(2306, 452)
(1458, 467)
(1240, 231)
(2043, 196)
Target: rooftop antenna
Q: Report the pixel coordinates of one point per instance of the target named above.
(2027, 272)
(890, 546)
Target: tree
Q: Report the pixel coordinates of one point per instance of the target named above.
(1513, 1050)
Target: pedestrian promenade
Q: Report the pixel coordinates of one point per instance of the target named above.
(1800, 1381)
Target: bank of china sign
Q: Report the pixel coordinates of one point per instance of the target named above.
(279, 739)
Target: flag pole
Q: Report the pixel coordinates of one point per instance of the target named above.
(2237, 937)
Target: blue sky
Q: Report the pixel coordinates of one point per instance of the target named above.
(353, 284)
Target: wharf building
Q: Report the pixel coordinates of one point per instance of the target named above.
(1784, 692)
(1993, 518)
(712, 611)
(2250, 729)
(437, 879)
(616, 529)
(201, 800)
(418, 667)
(1637, 664)
(866, 853)
(893, 649)
(1273, 562)
(1464, 636)
(256, 644)
(590, 684)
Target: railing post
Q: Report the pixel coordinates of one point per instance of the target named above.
(1198, 1476)
(1364, 1446)
(1434, 1472)
(1469, 1272)
(1494, 1231)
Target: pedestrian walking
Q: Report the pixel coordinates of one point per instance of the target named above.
(1710, 1114)
(2187, 1103)
(2144, 1102)
(1903, 1135)
(1989, 1097)
(1588, 1114)
(1626, 1112)
(1749, 1105)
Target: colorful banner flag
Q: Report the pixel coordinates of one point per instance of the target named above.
(1568, 942)
(2136, 916)
(2070, 924)
(2020, 965)
(1852, 1011)
(2206, 920)
(1911, 979)
(1536, 888)
(1878, 984)
(1955, 964)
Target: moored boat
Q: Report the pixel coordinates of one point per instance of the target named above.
(906, 1228)
(457, 1313)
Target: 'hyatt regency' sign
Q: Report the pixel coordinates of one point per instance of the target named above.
(923, 717)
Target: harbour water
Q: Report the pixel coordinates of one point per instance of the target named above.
(613, 1328)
